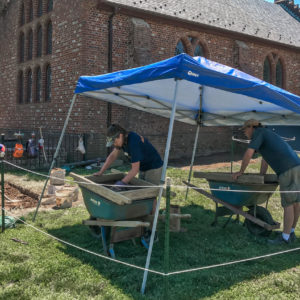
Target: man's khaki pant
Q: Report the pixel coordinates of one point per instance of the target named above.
(152, 176)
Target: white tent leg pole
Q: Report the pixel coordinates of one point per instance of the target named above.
(55, 154)
(193, 158)
(163, 176)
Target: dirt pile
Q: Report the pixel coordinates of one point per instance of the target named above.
(16, 199)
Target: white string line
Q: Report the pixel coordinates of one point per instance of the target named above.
(226, 189)
(84, 250)
(81, 182)
(232, 262)
(153, 271)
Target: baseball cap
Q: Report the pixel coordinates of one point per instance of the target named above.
(113, 132)
(250, 123)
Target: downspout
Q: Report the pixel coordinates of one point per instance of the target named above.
(109, 65)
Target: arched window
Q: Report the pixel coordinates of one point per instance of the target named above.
(21, 47)
(30, 45)
(180, 48)
(274, 70)
(20, 88)
(49, 38)
(30, 16)
(22, 15)
(39, 41)
(40, 8)
(48, 83)
(279, 74)
(38, 85)
(29, 87)
(198, 50)
(49, 5)
(267, 70)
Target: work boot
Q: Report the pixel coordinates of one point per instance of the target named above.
(293, 237)
(279, 240)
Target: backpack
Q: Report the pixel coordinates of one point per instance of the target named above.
(18, 152)
(31, 148)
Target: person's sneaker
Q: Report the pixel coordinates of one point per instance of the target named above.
(293, 237)
(279, 240)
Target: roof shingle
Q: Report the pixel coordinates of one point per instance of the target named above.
(251, 17)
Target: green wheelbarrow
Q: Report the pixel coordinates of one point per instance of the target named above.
(249, 192)
(116, 216)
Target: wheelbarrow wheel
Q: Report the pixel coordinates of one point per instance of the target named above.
(95, 230)
(262, 214)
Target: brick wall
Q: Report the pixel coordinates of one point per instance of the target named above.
(80, 47)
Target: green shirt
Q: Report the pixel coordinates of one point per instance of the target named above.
(276, 152)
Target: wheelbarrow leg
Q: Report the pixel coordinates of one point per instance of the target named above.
(215, 222)
(111, 250)
(103, 237)
(237, 219)
(144, 243)
(227, 221)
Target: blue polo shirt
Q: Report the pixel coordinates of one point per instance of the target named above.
(276, 152)
(142, 151)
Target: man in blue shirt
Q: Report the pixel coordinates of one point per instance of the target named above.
(286, 164)
(143, 156)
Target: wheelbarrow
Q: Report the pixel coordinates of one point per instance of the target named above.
(249, 191)
(116, 216)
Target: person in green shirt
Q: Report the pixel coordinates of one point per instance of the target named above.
(286, 164)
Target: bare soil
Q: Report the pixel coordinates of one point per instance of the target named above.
(217, 165)
(207, 167)
(16, 199)
(204, 161)
(21, 197)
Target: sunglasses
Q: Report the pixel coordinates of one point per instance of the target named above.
(110, 139)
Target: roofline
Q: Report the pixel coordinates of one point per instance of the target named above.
(290, 7)
(134, 12)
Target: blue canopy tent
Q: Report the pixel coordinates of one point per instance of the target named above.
(229, 95)
(191, 90)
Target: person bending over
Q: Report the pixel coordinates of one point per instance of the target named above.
(286, 164)
(144, 158)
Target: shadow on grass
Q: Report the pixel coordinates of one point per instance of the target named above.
(201, 245)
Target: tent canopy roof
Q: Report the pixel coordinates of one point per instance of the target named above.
(223, 95)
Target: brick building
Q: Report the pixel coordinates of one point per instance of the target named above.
(45, 45)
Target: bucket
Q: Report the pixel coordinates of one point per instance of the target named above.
(57, 176)
(52, 189)
(65, 197)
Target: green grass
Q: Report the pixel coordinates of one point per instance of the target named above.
(47, 269)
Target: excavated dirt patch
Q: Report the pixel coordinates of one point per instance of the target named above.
(16, 198)
(22, 196)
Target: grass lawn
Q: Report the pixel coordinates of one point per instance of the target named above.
(48, 269)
